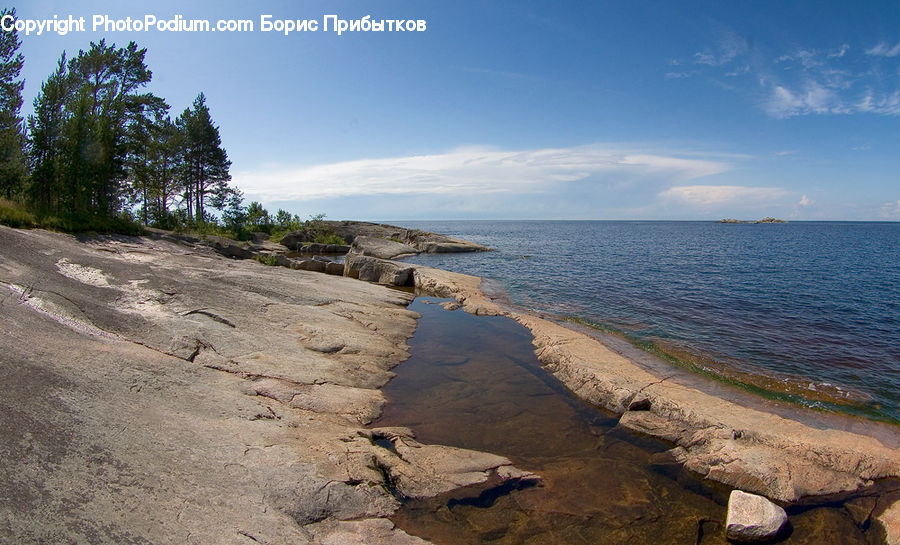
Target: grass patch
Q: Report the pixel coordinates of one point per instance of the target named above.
(267, 259)
(13, 215)
(330, 238)
(18, 216)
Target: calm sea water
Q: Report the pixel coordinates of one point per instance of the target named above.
(805, 307)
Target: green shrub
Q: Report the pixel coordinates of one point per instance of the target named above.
(330, 238)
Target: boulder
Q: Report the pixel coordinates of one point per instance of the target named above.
(295, 239)
(449, 247)
(381, 248)
(382, 271)
(283, 261)
(227, 247)
(318, 248)
(752, 518)
(311, 265)
(336, 269)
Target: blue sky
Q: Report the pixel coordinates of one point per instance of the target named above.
(538, 110)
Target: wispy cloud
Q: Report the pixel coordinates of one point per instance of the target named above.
(876, 103)
(810, 98)
(884, 50)
(475, 171)
(891, 210)
(839, 52)
(721, 195)
(840, 80)
(730, 46)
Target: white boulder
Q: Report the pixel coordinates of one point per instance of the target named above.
(752, 518)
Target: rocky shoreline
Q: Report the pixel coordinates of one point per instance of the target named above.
(156, 390)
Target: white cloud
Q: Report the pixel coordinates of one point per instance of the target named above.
(812, 98)
(891, 210)
(839, 53)
(884, 50)
(718, 195)
(805, 201)
(471, 172)
(731, 46)
(879, 104)
(840, 80)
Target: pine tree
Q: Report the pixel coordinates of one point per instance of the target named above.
(12, 137)
(106, 103)
(153, 165)
(84, 129)
(47, 143)
(205, 170)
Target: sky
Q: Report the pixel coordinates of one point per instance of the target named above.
(535, 110)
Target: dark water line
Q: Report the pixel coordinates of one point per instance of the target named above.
(474, 382)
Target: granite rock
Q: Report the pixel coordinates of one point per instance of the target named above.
(752, 518)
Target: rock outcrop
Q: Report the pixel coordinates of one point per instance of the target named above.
(752, 518)
(422, 471)
(381, 271)
(383, 241)
(153, 391)
(381, 248)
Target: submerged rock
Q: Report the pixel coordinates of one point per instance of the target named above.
(752, 518)
(890, 523)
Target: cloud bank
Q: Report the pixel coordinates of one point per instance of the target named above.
(721, 195)
(474, 171)
(582, 182)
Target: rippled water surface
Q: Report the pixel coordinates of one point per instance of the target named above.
(809, 307)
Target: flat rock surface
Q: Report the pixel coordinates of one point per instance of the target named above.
(381, 248)
(153, 391)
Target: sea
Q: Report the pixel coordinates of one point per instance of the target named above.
(807, 312)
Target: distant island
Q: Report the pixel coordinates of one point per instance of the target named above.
(768, 219)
